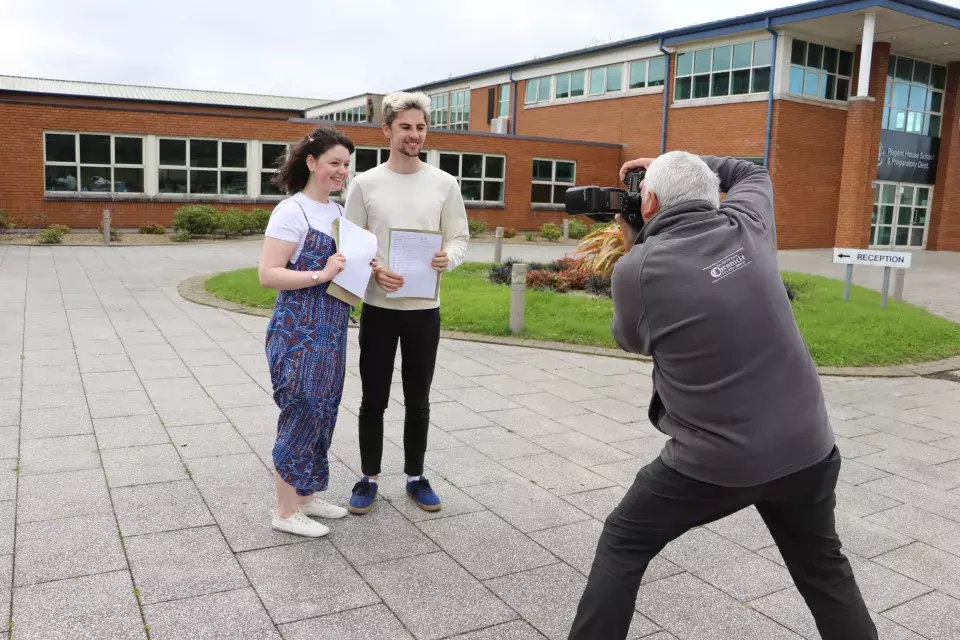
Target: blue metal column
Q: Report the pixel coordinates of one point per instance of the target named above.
(773, 85)
(666, 99)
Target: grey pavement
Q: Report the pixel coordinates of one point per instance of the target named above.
(135, 441)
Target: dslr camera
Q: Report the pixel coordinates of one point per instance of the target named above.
(602, 204)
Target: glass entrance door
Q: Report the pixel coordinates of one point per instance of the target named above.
(901, 215)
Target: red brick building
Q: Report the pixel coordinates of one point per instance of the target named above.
(862, 148)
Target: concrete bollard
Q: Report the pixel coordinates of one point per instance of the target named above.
(566, 230)
(498, 246)
(106, 226)
(898, 276)
(518, 291)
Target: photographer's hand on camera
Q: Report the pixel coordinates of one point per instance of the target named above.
(639, 163)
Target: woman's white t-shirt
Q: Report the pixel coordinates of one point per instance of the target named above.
(287, 221)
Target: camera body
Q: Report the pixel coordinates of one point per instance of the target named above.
(602, 204)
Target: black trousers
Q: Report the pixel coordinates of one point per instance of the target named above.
(663, 504)
(418, 334)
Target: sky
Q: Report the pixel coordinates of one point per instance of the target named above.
(321, 49)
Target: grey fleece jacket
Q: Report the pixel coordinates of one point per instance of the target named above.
(734, 385)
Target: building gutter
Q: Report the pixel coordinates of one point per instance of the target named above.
(773, 86)
(513, 104)
(666, 99)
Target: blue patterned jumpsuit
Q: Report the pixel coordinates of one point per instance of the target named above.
(306, 345)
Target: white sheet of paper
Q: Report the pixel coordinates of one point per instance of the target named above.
(411, 253)
(359, 246)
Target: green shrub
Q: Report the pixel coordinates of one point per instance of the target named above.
(5, 220)
(510, 233)
(197, 220)
(578, 229)
(529, 236)
(476, 227)
(233, 222)
(153, 229)
(257, 220)
(62, 228)
(550, 231)
(180, 236)
(50, 235)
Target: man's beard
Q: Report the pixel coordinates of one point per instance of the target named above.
(410, 154)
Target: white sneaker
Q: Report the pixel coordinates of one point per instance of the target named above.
(299, 524)
(320, 509)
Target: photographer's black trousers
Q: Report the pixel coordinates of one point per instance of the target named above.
(663, 504)
(418, 334)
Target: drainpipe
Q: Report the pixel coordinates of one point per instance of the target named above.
(773, 86)
(513, 104)
(666, 99)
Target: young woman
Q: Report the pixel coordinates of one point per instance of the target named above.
(306, 338)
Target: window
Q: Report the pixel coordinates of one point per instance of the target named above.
(913, 101)
(724, 71)
(551, 179)
(439, 116)
(460, 110)
(271, 155)
(647, 73)
(538, 90)
(480, 175)
(203, 167)
(87, 162)
(570, 85)
(503, 106)
(819, 71)
(606, 79)
(450, 110)
(355, 114)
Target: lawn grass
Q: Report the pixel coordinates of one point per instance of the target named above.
(838, 333)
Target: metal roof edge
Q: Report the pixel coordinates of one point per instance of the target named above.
(754, 21)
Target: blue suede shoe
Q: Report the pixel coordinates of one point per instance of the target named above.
(364, 493)
(423, 494)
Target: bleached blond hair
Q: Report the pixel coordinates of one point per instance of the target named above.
(394, 103)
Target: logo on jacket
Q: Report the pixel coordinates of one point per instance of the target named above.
(727, 265)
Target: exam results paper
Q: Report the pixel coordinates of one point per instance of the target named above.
(411, 253)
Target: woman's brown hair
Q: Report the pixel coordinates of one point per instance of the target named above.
(293, 172)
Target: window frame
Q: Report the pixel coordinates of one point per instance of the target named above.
(112, 167)
(483, 179)
(646, 72)
(440, 113)
(927, 114)
(219, 169)
(539, 83)
(606, 75)
(552, 183)
(262, 171)
(822, 74)
(459, 119)
(503, 103)
(711, 72)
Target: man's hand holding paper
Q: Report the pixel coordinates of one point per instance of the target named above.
(417, 258)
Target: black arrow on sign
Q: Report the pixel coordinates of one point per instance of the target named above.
(842, 255)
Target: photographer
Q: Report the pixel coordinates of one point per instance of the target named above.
(734, 387)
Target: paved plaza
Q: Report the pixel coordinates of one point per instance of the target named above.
(135, 486)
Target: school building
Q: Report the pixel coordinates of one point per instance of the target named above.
(851, 105)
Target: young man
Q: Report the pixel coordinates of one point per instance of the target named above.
(402, 193)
